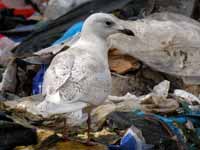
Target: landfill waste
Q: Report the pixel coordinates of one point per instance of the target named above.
(57, 8)
(23, 75)
(154, 102)
(152, 130)
(15, 4)
(11, 19)
(164, 35)
(132, 67)
(50, 32)
(6, 45)
(184, 7)
(132, 140)
(113, 103)
(125, 9)
(188, 97)
(9, 80)
(24, 108)
(38, 81)
(158, 101)
(24, 5)
(13, 134)
(72, 31)
(171, 132)
(122, 64)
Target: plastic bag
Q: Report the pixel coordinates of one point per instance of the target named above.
(57, 8)
(6, 45)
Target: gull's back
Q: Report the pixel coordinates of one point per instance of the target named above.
(78, 75)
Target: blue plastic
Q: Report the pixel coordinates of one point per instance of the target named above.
(182, 119)
(38, 79)
(128, 142)
(76, 28)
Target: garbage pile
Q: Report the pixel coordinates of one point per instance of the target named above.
(154, 102)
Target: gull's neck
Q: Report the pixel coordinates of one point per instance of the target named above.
(93, 44)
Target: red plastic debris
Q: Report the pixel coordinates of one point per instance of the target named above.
(1, 36)
(20, 12)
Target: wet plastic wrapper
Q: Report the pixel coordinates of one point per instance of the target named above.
(6, 45)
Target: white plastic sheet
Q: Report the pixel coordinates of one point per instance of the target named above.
(166, 42)
(57, 8)
(6, 45)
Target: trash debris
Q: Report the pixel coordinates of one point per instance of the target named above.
(158, 101)
(162, 89)
(38, 80)
(154, 102)
(6, 45)
(132, 140)
(152, 130)
(177, 6)
(57, 8)
(55, 29)
(11, 18)
(188, 97)
(9, 80)
(156, 105)
(100, 115)
(15, 4)
(13, 134)
(72, 31)
(164, 35)
(122, 64)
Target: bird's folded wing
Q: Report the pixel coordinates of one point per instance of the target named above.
(58, 73)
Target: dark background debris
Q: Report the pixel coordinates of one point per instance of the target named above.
(13, 134)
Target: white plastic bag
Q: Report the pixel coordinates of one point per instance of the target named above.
(6, 45)
(57, 8)
(166, 42)
(19, 4)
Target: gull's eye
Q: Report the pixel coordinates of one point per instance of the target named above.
(109, 23)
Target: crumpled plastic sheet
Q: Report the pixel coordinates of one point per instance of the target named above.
(158, 101)
(166, 42)
(57, 8)
(6, 45)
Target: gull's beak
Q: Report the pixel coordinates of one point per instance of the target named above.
(121, 27)
(127, 32)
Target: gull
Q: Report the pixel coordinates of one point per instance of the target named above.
(79, 78)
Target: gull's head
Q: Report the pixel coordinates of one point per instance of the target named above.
(103, 25)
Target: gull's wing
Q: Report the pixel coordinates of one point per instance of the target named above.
(58, 72)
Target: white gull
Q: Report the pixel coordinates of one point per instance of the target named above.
(79, 78)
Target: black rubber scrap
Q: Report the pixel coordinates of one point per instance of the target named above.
(13, 134)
